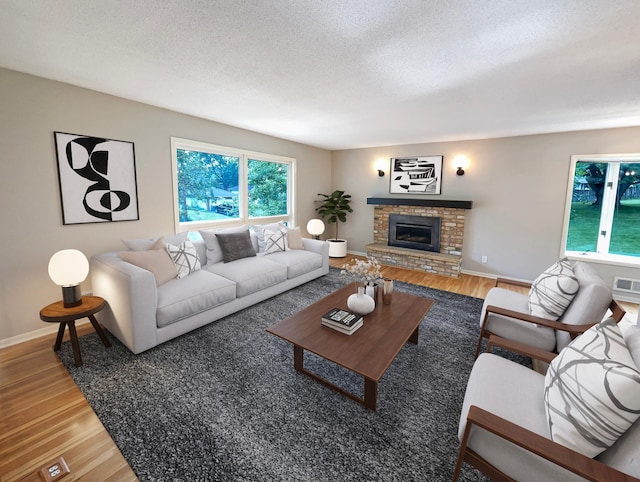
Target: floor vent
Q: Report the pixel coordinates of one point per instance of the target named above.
(626, 284)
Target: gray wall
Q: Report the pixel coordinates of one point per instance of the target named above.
(33, 108)
(517, 185)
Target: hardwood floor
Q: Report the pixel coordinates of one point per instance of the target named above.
(43, 414)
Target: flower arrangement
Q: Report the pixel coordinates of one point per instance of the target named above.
(366, 271)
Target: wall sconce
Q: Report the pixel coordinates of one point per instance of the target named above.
(461, 163)
(380, 165)
(315, 227)
(68, 268)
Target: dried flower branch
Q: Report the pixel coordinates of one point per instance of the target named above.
(365, 271)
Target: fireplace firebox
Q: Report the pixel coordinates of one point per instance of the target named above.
(414, 232)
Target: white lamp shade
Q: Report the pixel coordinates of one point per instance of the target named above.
(315, 227)
(68, 267)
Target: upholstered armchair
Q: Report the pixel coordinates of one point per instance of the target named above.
(579, 422)
(564, 301)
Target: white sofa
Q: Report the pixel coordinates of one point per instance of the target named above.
(142, 315)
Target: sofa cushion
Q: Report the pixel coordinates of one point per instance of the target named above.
(512, 329)
(214, 252)
(235, 246)
(592, 390)
(552, 291)
(297, 261)
(251, 274)
(200, 291)
(145, 244)
(184, 257)
(156, 260)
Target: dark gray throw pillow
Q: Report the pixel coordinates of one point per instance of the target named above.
(235, 246)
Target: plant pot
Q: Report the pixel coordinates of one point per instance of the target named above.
(337, 248)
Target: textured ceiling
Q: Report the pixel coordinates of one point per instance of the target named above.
(343, 74)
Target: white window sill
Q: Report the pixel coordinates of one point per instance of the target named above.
(611, 259)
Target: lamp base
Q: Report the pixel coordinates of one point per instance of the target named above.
(71, 296)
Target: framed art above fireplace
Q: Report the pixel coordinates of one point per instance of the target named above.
(415, 175)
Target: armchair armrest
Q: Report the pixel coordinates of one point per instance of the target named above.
(556, 325)
(617, 312)
(560, 455)
(522, 348)
(507, 281)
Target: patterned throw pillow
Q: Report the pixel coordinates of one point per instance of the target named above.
(261, 229)
(592, 390)
(184, 257)
(275, 241)
(553, 291)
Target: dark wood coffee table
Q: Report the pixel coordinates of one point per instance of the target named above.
(369, 351)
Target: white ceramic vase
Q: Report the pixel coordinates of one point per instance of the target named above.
(361, 303)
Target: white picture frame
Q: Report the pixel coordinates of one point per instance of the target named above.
(97, 179)
(415, 175)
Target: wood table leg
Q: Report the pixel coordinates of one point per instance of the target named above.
(56, 347)
(298, 358)
(370, 394)
(414, 336)
(99, 331)
(74, 343)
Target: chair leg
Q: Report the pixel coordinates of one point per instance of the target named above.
(461, 453)
(483, 334)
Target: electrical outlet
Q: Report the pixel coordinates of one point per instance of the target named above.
(485, 259)
(54, 470)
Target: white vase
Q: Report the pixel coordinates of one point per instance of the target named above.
(370, 290)
(360, 303)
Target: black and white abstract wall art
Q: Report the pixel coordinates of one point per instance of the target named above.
(97, 179)
(416, 175)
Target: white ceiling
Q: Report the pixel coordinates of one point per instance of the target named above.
(343, 73)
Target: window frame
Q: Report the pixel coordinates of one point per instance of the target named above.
(607, 211)
(243, 194)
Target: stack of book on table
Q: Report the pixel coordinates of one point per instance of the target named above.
(342, 320)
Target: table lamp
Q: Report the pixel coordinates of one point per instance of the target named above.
(68, 268)
(315, 227)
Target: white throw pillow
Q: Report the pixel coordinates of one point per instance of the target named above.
(592, 390)
(214, 252)
(553, 291)
(275, 241)
(184, 257)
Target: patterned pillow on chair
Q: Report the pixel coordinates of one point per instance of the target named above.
(553, 291)
(592, 390)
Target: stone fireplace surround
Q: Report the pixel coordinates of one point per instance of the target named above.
(447, 261)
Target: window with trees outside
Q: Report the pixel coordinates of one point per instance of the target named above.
(222, 185)
(602, 217)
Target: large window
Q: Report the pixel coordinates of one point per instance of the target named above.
(215, 185)
(602, 218)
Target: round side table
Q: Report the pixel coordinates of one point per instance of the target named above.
(57, 313)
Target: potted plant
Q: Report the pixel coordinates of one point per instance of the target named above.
(333, 208)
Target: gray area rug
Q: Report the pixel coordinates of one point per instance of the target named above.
(224, 402)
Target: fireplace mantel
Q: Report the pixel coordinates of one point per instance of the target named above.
(436, 203)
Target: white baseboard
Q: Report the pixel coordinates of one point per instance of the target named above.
(32, 335)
